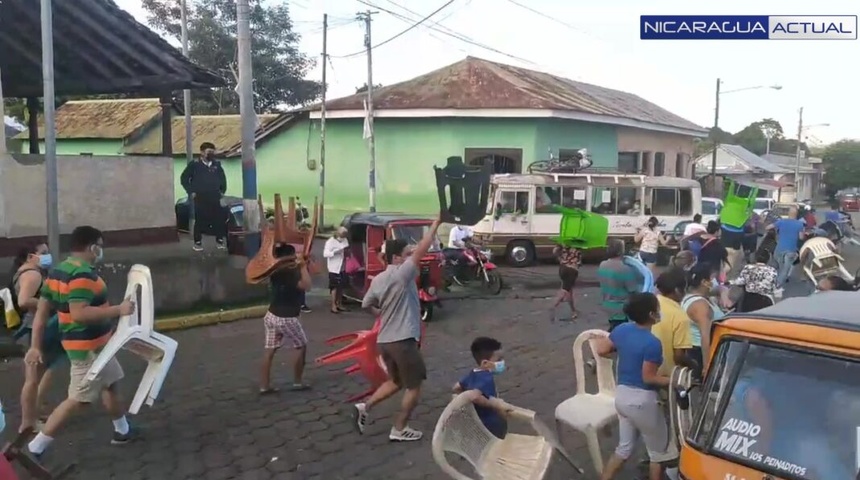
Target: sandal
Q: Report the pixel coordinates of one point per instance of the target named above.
(334, 311)
(268, 391)
(300, 387)
(342, 309)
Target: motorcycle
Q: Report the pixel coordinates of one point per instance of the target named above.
(470, 265)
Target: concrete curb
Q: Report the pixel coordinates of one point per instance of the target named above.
(184, 322)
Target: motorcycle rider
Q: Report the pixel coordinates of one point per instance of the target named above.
(458, 240)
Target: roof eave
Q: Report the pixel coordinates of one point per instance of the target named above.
(515, 113)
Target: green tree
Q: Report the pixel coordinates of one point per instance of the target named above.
(279, 67)
(841, 165)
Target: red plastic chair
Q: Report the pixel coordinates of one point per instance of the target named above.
(6, 470)
(361, 349)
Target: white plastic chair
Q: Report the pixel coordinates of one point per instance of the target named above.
(136, 333)
(819, 259)
(589, 412)
(516, 457)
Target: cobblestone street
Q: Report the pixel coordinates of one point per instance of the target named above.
(211, 424)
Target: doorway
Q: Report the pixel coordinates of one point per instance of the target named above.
(503, 160)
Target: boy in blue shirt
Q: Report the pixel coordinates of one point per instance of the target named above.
(487, 353)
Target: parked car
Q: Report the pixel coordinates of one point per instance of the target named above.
(762, 204)
(711, 208)
(850, 203)
(233, 210)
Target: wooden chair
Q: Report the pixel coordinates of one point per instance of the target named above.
(590, 412)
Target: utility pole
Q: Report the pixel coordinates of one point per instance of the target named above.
(715, 132)
(321, 219)
(797, 156)
(51, 187)
(186, 94)
(249, 128)
(367, 17)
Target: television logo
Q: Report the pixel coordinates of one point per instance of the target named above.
(748, 27)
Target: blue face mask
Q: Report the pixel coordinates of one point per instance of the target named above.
(46, 260)
(499, 367)
(99, 252)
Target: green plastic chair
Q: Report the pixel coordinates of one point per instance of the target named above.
(737, 205)
(581, 229)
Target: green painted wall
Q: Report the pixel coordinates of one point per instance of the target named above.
(95, 146)
(600, 140)
(406, 150)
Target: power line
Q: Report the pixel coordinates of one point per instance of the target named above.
(410, 28)
(448, 32)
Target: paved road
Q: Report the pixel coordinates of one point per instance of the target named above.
(211, 424)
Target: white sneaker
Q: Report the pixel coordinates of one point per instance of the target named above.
(359, 415)
(778, 293)
(405, 435)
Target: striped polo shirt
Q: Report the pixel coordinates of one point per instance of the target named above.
(617, 282)
(74, 280)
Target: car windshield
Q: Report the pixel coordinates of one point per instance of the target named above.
(789, 413)
(710, 208)
(413, 234)
(761, 204)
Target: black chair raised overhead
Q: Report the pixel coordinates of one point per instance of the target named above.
(463, 191)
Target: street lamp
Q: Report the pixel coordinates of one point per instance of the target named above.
(717, 121)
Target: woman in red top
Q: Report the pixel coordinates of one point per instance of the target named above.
(569, 259)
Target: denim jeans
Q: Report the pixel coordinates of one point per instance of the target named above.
(784, 265)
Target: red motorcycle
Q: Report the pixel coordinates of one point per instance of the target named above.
(471, 266)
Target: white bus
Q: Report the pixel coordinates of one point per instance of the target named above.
(521, 215)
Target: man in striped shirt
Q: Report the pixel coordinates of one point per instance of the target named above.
(617, 282)
(79, 296)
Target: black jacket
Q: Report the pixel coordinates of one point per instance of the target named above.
(202, 180)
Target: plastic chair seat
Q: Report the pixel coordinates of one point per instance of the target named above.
(517, 457)
(583, 411)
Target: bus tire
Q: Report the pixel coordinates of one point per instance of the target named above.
(520, 253)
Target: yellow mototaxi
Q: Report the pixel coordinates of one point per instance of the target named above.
(780, 398)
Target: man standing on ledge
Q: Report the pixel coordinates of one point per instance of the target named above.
(393, 297)
(205, 182)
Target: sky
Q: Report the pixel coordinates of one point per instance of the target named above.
(598, 43)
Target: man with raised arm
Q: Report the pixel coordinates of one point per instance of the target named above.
(393, 297)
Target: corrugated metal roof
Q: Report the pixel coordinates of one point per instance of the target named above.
(752, 160)
(475, 83)
(98, 48)
(788, 161)
(103, 119)
(224, 131)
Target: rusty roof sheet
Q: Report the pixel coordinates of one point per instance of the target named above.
(475, 83)
(103, 119)
(225, 131)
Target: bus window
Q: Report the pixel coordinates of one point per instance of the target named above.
(514, 202)
(629, 201)
(672, 201)
(603, 200)
(546, 198)
(573, 197)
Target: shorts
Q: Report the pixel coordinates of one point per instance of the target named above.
(404, 363)
(336, 281)
(648, 258)
(640, 414)
(281, 331)
(86, 391)
(568, 277)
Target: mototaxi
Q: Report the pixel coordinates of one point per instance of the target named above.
(367, 233)
(780, 397)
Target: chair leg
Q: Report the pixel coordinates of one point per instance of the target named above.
(563, 453)
(341, 338)
(352, 369)
(16, 451)
(346, 353)
(594, 449)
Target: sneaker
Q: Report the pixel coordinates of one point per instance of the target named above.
(122, 439)
(778, 293)
(198, 247)
(306, 309)
(221, 245)
(405, 435)
(359, 415)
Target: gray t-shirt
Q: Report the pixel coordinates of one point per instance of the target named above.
(395, 293)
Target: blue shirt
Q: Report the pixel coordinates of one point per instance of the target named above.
(787, 234)
(484, 382)
(635, 346)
